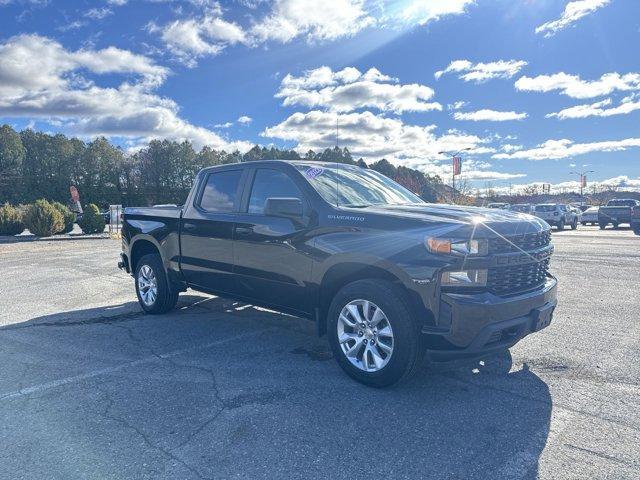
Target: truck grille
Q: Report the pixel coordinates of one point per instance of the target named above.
(516, 243)
(518, 278)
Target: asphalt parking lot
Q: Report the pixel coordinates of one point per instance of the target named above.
(92, 389)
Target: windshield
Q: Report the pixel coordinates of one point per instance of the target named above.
(355, 187)
(545, 208)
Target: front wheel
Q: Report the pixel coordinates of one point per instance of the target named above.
(152, 288)
(560, 225)
(373, 334)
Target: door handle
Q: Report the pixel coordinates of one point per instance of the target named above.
(244, 230)
(189, 226)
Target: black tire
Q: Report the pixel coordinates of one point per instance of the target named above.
(166, 298)
(574, 224)
(602, 226)
(584, 224)
(616, 226)
(408, 348)
(560, 225)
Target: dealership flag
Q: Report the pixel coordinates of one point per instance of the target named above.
(457, 166)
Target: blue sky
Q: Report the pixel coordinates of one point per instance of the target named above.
(536, 88)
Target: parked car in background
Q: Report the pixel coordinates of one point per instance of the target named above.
(590, 216)
(503, 206)
(616, 211)
(522, 208)
(557, 215)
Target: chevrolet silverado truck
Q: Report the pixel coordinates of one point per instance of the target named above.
(617, 211)
(388, 277)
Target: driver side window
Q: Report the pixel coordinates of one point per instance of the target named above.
(269, 183)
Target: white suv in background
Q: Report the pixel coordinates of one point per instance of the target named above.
(557, 215)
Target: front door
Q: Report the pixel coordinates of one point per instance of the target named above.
(271, 263)
(207, 231)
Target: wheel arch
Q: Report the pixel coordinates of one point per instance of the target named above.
(140, 248)
(344, 273)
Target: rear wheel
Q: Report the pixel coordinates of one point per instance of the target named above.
(373, 334)
(152, 288)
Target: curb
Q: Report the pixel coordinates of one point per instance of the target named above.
(60, 238)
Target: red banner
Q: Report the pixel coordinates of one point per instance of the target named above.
(457, 166)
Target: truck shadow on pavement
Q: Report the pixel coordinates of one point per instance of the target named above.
(218, 389)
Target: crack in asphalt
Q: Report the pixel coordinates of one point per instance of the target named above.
(484, 386)
(167, 452)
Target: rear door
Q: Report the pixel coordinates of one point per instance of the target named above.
(207, 230)
(272, 265)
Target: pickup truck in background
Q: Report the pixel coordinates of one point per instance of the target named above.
(385, 275)
(616, 212)
(635, 220)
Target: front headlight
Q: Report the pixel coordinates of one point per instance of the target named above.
(465, 278)
(459, 247)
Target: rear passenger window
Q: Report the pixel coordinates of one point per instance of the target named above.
(221, 190)
(271, 184)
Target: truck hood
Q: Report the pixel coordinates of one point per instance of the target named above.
(502, 222)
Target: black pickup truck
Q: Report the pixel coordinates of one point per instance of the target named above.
(387, 276)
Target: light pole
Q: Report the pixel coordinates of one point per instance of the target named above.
(453, 170)
(582, 176)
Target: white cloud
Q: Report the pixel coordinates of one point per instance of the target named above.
(41, 79)
(482, 72)
(573, 86)
(490, 175)
(457, 105)
(598, 109)
(117, 3)
(191, 39)
(489, 116)
(317, 20)
(223, 125)
(509, 148)
(283, 21)
(573, 12)
(349, 89)
(422, 12)
(98, 13)
(245, 120)
(372, 136)
(564, 148)
(622, 182)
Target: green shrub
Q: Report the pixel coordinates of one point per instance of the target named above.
(68, 217)
(92, 221)
(43, 219)
(10, 220)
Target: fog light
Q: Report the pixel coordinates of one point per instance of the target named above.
(464, 278)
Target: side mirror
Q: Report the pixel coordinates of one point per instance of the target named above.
(284, 207)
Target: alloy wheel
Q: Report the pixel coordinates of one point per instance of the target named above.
(365, 335)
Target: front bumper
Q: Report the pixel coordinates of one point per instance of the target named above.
(482, 323)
